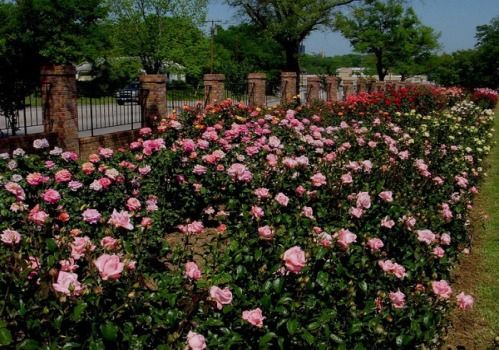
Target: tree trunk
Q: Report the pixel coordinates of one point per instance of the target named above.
(379, 66)
(292, 51)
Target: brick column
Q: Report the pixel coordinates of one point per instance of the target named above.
(60, 114)
(313, 88)
(153, 98)
(256, 89)
(288, 86)
(332, 88)
(361, 85)
(379, 86)
(347, 88)
(213, 88)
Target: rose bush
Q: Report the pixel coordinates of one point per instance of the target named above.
(331, 226)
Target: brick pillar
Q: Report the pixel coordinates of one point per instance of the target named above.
(379, 86)
(347, 88)
(332, 88)
(213, 88)
(313, 88)
(361, 85)
(256, 89)
(60, 114)
(288, 86)
(370, 85)
(153, 98)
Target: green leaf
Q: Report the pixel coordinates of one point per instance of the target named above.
(29, 344)
(5, 336)
(278, 284)
(266, 339)
(292, 326)
(309, 338)
(78, 310)
(109, 331)
(322, 278)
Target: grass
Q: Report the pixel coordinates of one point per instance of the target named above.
(478, 273)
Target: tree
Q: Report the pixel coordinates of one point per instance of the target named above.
(488, 53)
(393, 34)
(154, 29)
(289, 22)
(243, 49)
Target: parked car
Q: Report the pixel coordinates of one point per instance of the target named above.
(128, 94)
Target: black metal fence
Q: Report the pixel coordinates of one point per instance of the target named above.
(120, 112)
(237, 92)
(178, 98)
(27, 118)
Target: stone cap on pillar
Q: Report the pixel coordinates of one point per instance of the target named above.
(288, 74)
(214, 77)
(58, 69)
(152, 78)
(257, 76)
(313, 79)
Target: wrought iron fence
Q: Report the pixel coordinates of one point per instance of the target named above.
(237, 92)
(120, 112)
(27, 118)
(177, 99)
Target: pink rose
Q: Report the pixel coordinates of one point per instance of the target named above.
(375, 244)
(37, 215)
(344, 238)
(146, 222)
(68, 265)
(67, 283)
(387, 222)
(199, 169)
(109, 266)
(10, 237)
(386, 196)
(426, 236)
(255, 317)
(62, 176)
(445, 239)
(121, 219)
(300, 190)
(363, 200)
(51, 196)
(438, 252)
(294, 259)
(464, 301)
(265, 232)
(80, 246)
(195, 341)
(133, 204)
(392, 268)
(282, 199)
(441, 288)
(257, 212)
(87, 168)
(106, 152)
(397, 299)
(446, 213)
(356, 212)
(221, 296)
(318, 180)
(261, 193)
(92, 216)
(192, 271)
(308, 212)
(35, 179)
(109, 243)
(239, 172)
(16, 190)
(346, 178)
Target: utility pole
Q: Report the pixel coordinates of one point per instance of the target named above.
(212, 41)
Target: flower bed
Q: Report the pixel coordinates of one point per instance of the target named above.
(324, 227)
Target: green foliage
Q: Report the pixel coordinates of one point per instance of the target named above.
(160, 32)
(289, 22)
(393, 34)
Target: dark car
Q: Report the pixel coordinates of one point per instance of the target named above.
(128, 94)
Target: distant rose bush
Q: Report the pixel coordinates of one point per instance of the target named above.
(321, 227)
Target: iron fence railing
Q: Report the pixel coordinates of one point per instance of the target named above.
(27, 118)
(237, 92)
(108, 112)
(177, 99)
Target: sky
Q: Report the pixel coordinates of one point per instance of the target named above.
(455, 20)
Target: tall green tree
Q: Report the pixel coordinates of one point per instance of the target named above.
(157, 30)
(488, 53)
(289, 22)
(391, 32)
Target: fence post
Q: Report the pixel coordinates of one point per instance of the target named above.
(361, 85)
(313, 88)
(379, 86)
(214, 88)
(332, 88)
(347, 88)
(60, 112)
(256, 88)
(153, 103)
(288, 86)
